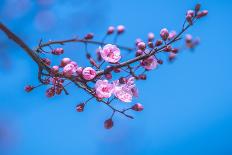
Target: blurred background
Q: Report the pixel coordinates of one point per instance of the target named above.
(187, 103)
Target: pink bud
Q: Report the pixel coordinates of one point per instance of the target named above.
(55, 69)
(50, 92)
(80, 107)
(108, 76)
(122, 80)
(172, 56)
(164, 34)
(108, 124)
(197, 7)
(28, 88)
(137, 107)
(79, 70)
(160, 61)
(168, 48)
(65, 61)
(175, 50)
(138, 40)
(58, 51)
(202, 13)
(158, 43)
(120, 29)
(46, 61)
(172, 35)
(189, 19)
(142, 77)
(88, 73)
(150, 44)
(110, 30)
(117, 70)
(190, 13)
(141, 45)
(151, 36)
(89, 36)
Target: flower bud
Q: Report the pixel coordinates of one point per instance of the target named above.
(137, 107)
(168, 48)
(141, 45)
(150, 44)
(110, 30)
(120, 29)
(151, 36)
(80, 107)
(50, 92)
(197, 7)
(58, 51)
(108, 124)
(117, 70)
(172, 35)
(175, 50)
(65, 61)
(158, 43)
(122, 80)
(46, 61)
(189, 19)
(28, 88)
(202, 13)
(108, 76)
(89, 36)
(138, 40)
(164, 34)
(172, 56)
(138, 53)
(79, 70)
(55, 69)
(160, 61)
(142, 76)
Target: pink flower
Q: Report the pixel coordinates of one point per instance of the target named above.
(88, 73)
(103, 89)
(124, 92)
(110, 53)
(149, 63)
(69, 69)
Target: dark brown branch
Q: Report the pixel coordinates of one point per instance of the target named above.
(61, 42)
(22, 44)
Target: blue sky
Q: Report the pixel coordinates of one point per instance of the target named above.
(187, 103)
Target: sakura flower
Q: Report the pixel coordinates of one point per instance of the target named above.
(88, 73)
(124, 92)
(103, 89)
(69, 70)
(149, 63)
(110, 53)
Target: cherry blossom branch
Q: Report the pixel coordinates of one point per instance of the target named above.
(94, 79)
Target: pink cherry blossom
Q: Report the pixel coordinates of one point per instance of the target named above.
(88, 73)
(103, 89)
(124, 92)
(69, 70)
(149, 63)
(110, 53)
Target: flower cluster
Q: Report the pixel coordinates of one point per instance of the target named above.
(108, 76)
